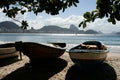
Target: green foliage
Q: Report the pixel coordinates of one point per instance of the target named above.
(12, 7)
(105, 8)
(24, 24)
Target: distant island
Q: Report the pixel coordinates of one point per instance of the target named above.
(11, 27)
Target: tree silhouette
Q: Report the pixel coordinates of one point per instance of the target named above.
(12, 7)
(104, 8)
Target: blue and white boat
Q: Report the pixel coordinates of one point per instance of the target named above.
(88, 53)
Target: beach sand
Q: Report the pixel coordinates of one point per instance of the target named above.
(61, 69)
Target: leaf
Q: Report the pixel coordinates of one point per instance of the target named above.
(84, 24)
(110, 20)
(4, 10)
(75, 4)
(80, 24)
(114, 22)
(23, 11)
(87, 15)
(114, 9)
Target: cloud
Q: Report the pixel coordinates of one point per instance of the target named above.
(39, 21)
(65, 22)
(2, 16)
(103, 26)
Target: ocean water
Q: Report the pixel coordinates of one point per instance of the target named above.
(111, 40)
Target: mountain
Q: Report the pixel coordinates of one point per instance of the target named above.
(73, 28)
(116, 32)
(11, 27)
(91, 32)
(8, 26)
(54, 29)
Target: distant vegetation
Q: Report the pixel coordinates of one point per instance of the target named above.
(10, 27)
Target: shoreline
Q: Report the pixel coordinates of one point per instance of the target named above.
(18, 71)
(113, 54)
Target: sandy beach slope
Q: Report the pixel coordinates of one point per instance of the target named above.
(61, 69)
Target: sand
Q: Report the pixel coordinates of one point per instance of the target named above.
(61, 69)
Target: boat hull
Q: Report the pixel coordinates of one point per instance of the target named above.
(87, 64)
(8, 50)
(88, 60)
(39, 51)
(90, 55)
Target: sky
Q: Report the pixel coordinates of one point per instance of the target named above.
(72, 15)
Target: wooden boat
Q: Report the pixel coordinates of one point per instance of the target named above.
(88, 53)
(8, 50)
(39, 51)
(58, 44)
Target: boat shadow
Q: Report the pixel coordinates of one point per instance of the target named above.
(38, 72)
(102, 72)
(8, 61)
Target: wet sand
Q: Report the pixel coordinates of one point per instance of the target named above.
(60, 69)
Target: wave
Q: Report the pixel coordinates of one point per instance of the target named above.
(3, 42)
(114, 49)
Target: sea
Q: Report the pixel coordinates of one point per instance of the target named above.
(112, 41)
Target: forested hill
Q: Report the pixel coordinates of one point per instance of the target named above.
(11, 27)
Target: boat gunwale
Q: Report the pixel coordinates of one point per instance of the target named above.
(9, 53)
(46, 45)
(7, 48)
